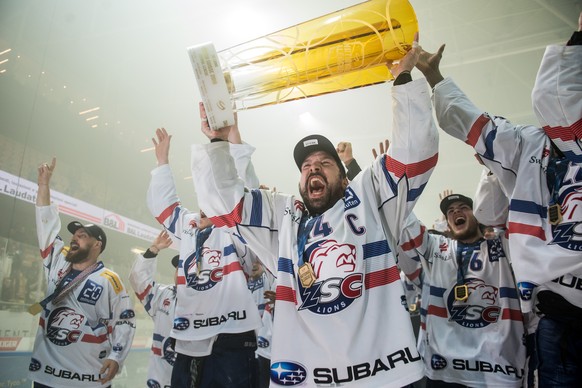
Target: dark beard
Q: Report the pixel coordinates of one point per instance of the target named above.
(77, 256)
(321, 205)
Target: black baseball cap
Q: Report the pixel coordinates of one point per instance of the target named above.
(92, 230)
(313, 143)
(449, 199)
(175, 260)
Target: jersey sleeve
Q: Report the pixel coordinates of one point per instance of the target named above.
(163, 201)
(499, 143)
(400, 176)
(123, 325)
(48, 225)
(241, 154)
(141, 279)
(491, 203)
(414, 258)
(221, 193)
(557, 98)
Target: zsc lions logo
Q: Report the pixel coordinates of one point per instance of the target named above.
(335, 263)
(288, 373)
(480, 309)
(207, 278)
(568, 233)
(63, 326)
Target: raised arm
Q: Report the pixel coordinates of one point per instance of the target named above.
(45, 172)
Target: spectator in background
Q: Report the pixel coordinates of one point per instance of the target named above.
(159, 301)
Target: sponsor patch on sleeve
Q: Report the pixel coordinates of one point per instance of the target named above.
(114, 280)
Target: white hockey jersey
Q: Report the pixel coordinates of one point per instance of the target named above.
(95, 320)
(557, 98)
(519, 156)
(265, 333)
(258, 286)
(159, 301)
(351, 326)
(212, 293)
(476, 342)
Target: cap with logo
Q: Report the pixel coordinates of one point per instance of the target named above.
(450, 199)
(92, 230)
(313, 143)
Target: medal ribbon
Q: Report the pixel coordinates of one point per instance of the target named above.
(201, 238)
(305, 227)
(62, 289)
(557, 168)
(464, 254)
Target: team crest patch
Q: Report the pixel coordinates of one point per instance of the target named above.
(114, 280)
(479, 309)
(288, 373)
(335, 263)
(566, 233)
(351, 200)
(63, 326)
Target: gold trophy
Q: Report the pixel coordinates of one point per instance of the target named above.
(342, 50)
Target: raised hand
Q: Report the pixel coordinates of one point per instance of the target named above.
(162, 146)
(162, 241)
(428, 64)
(408, 62)
(45, 172)
(383, 147)
(445, 193)
(344, 151)
(221, 133)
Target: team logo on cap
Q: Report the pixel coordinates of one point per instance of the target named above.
(480, 309)
(335, 263)
(63, 326)
(288, 373)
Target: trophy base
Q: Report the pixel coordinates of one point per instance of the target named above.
(212, 85)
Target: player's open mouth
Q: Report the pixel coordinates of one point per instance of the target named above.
(460, 221)
(316, 186)
(73, 246)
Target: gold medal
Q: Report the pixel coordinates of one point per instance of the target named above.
(34, 309)
(306, 275)
(555, 214)
(461, 292)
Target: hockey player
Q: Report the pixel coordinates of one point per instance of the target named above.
(541, 184)
(216, 317)
(339, 316)
(159, 301)
(473, 327)
(557, 95)
(87, 321)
